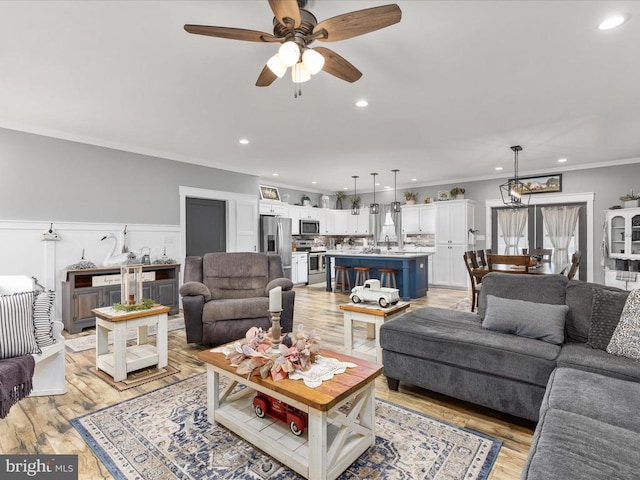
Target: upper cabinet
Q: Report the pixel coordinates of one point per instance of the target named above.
(623, 230)
(359, 224)
(269, 207)
(418, 219)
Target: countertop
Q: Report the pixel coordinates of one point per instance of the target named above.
(383, 254)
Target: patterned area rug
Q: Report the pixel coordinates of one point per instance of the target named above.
(164, 434)
(88, 342)
(463, 305)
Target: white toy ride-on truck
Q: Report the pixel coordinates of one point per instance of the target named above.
(371, 291)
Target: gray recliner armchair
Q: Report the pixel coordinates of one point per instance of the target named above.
(225, 294)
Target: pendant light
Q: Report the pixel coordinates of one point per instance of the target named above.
(374, 207)
(355, 201)
(514, 192)
(395, 205)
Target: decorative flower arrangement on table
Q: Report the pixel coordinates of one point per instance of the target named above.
(256, 353)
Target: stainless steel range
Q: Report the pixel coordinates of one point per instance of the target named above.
(317, 270)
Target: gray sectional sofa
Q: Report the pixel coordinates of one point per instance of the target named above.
(584, 399)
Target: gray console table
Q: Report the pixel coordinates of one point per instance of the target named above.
(82, 291)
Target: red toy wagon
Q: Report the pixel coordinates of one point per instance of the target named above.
(266, 405)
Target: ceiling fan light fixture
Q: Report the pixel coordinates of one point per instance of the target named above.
(312, 60)
(289, 53)
(276, 66)
(300, 73)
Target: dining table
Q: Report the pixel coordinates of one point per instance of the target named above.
(542, 268)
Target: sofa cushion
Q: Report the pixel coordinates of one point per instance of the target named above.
(605, 315)
(603, 398)
(195, 288)
(457, 338)
(580, 356)
(16, 325)
(526, 319)
(548, 289)
(625, 340)
(569, 446)
(580, 301)
(230, 309)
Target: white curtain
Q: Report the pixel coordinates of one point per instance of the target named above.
(560, 223)
(511, 223)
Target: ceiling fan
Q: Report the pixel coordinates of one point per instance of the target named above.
(296, 28)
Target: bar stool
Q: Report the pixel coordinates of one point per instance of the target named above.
(387, 277)
(362, 275)
(342, 279)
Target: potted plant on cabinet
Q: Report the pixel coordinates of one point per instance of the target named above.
(339, 197)
(630, 200)
(306, 201)
(457, 193)
(411, 197)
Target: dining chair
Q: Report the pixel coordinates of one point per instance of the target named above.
(575, 261)
(471, 255)
(475, 286)
(511, 260)
(482, 259)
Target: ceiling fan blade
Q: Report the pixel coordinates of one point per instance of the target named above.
(356, 23)
(338, 66)
(266, 77)
(232, 33)
(283, 9)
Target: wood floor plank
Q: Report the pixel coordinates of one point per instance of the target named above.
(41, 424)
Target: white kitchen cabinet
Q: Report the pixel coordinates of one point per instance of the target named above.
(339, 218)
(294, 214)
(323, 219)
(358, 224)
(454, 218)
(299, 267)
(269, 207)
(623, 231)
(418, 218)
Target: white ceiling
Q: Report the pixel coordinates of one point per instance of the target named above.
(450, 88)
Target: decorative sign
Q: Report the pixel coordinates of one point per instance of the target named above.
(106, 280)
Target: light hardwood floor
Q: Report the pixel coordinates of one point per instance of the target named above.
(41, 425)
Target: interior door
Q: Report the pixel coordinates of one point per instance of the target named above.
(206, 226)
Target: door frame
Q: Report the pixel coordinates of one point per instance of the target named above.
(587, 198)
(231, 201)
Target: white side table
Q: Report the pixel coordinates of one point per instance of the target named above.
(123, 359)
(374, 316)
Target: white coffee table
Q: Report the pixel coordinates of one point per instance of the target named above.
(122, 360)
(374, 316)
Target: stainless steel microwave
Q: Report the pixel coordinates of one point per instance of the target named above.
(309, 227)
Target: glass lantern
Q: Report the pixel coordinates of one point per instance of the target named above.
(131, 284)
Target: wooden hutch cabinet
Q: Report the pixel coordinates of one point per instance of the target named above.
(84, 290)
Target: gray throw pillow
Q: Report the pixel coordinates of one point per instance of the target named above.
(606, 310)
(625, 340)
(540, 321)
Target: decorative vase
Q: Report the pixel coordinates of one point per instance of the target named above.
(460, 196)
(306, 203)
(411, 202)
(339, 204)
(630, 203)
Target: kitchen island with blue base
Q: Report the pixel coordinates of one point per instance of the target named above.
(411, 269)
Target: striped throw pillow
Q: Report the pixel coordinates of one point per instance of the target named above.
(17, 335)
(42, 318)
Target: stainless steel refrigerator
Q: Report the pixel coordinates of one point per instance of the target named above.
(275, 237)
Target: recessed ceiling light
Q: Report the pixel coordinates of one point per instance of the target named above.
(362, 103)
(562, 160)
(345, 188)
(314, 182)
(386, 187)
(498, 169)
(244, 141)
(414, 179)
(275, 174)
(612, 22)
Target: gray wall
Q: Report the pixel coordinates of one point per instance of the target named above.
(43, 178)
